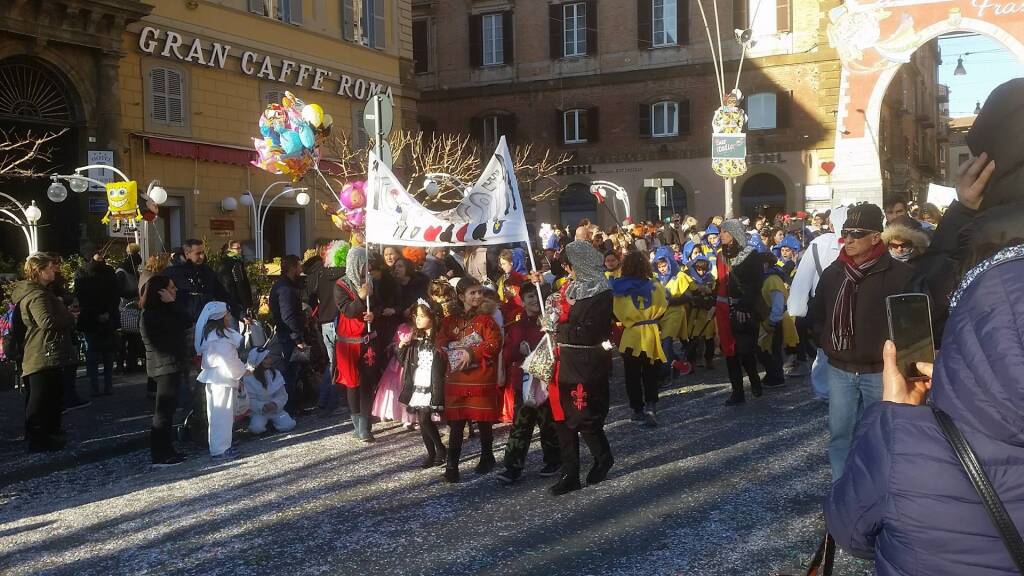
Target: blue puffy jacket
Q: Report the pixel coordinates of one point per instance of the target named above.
(904, 498)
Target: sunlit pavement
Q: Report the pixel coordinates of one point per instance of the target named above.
(713, 490)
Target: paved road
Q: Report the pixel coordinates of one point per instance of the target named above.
(712, 491)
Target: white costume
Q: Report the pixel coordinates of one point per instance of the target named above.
(261, 394)
(805, 282)
(221, 371)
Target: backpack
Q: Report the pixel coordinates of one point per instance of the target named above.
(12, 334)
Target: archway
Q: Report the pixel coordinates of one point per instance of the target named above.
(35, 99)
(873, 41)
(675, 203)
(762, 193)
(575, 204)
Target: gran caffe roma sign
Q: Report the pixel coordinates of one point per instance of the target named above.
(169, 44)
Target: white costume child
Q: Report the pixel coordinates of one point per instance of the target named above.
(268, 397)
(222, 370)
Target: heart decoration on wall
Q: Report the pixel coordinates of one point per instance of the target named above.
(828, 167)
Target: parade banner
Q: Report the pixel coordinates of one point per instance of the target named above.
(491, 213)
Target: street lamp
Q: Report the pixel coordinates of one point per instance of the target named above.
(260, 211)
(28, 220)
(960, 70)
(430, 185)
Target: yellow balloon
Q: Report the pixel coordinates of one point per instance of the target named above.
(313, 114)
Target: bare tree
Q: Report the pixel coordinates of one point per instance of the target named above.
(22, 156)
(456, 155)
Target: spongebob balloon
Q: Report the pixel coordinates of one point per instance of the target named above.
(122, 204)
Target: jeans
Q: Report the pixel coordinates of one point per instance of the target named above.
(849, 394)
(328, 394)
(98, 349)
(819, 375)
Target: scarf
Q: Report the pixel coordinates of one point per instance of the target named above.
(846, 299)
(634, 288)
(588, 267)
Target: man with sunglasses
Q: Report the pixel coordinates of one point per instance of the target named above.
(849, 319)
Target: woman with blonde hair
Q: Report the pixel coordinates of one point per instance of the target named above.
(48, 330)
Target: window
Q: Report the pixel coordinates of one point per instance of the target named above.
(360, 139)
(289, 11)
(363, 22)
(575, 126)
(664, 22)
(665, 119)
(761, 111)
(574, 26)
(494, 40)
(421, 46)
(963, 158)
(763, 20)
(675, 203)
(761, 17)
(490, 135)
(272, 97)
(167, 97)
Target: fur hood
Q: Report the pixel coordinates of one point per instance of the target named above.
(905, 233)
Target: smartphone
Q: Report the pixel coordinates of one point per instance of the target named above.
(910, 328)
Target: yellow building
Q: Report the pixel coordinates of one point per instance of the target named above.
(172, 90)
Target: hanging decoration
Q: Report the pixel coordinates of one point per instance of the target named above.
(351, 214)
(729, 141)
(122, 205)
(292, 132)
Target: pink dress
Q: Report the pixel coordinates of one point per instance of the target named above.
(385, 404)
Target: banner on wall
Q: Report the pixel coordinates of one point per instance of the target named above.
(491, 213)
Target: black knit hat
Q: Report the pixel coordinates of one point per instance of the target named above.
(864, 217)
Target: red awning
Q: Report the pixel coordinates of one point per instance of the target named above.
(205, 152)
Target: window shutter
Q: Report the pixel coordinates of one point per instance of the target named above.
(476, 129)
(782, 16)
(644, 31)
(783, 104)
(347, 21)
(476, 42)
(555, 23)
(295, 11)
(594, 132)
(257, 7)
(586, 125)
(272, 97)
(506, 128)
(683, 22)
(591, 20)
(158, 94)
(507, 37)
(644, 120)
(175, 99)
(560, 125)
(420, 46)
(379, 24)
(684, 116)
(739, 14)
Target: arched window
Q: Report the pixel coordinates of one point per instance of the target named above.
(674, 202)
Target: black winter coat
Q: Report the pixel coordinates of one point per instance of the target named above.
(99, 296)
(235, 279)
(164, 328)
(887, 277)
(326, 283)
(198, 285)
(286, 309)
(744, 289)
(408, 357)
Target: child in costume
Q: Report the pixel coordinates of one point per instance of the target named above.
(423, 374)
(267, 394)
(386, 403)
(222, 370)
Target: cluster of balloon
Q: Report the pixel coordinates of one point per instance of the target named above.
(292, 133)
(352, 214)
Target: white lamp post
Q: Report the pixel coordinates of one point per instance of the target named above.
(603, 187)
(25, 217)
(260, 210)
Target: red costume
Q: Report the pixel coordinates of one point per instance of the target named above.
(472, 394)
(354, 349)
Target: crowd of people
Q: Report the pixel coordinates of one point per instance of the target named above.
(471, 338)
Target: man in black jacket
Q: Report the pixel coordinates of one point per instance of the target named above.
(849, 315)
(197, 283)
(736, 313)
(289, 322)
(97, 292)
(234, 278)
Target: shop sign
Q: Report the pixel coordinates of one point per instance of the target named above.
(106, 158)
(728, 146)
(222, 225)
(168, 44)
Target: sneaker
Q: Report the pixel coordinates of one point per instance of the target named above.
(229, 454)
(682, 367)
(650, 420)
(509, 476)
(638, 416)
(735, 400)
(169, 461)
(409, 426)
(549, 470)
(76, 405)
(798, 370)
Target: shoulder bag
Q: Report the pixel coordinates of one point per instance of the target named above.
(993, 505)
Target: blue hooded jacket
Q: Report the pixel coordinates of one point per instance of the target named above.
(756, 241)
(712, 229)
(904, 498)
(788, 241)
(697, 277)
(665, 253)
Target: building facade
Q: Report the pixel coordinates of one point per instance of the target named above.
(628, 89)
(171, 91)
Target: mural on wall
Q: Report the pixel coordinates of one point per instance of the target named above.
(855, 32)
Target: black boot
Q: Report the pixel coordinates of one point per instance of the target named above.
(441, 457)
(734, 400)
(567, 482)
(451, 475)
(486, 463)
(601, 450)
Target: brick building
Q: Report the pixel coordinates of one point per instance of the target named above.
(628, 88)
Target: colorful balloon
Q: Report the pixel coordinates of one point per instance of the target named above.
(313, 114)
(291, 142)
(307, 137)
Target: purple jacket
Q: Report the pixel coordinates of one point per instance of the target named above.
(904, 498)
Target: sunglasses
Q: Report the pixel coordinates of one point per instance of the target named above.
(898, 246)
(855, 233)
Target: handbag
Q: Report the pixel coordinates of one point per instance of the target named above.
(541, 362)
(821, 563)
(993, 505)
(130, 317)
